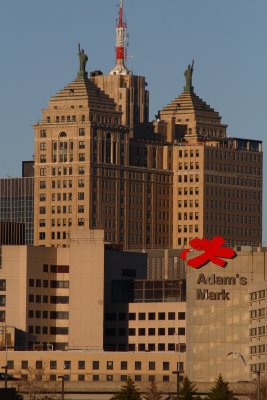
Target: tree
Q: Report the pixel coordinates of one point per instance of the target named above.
(153, 393)
(188, 390)
(220, 390)
(128, 392)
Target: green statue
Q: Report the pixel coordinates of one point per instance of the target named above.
(188, 77)
(83, 58)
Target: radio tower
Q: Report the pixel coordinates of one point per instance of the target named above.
(121, 45)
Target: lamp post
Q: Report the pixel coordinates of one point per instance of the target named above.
(177, 373)
(62, 377)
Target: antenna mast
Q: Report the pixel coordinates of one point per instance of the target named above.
(121, 45)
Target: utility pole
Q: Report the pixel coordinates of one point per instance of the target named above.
(177, 373)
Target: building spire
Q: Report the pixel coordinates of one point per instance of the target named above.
(121, 45)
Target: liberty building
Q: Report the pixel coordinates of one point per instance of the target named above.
(156, 185)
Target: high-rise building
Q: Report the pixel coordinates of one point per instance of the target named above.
(99, 164)
(177, 178)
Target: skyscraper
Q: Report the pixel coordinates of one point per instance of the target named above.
(99, 163)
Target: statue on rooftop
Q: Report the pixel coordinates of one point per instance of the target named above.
(188, 77)
(83, 58)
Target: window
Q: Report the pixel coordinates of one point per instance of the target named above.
(141, 316)
(95, 365)
(124, 365)
(42, 133)
(161, 331)
(81, 131)
(53, 364)
(2, 285)
(81, 377)
(141, 332)
(138, 378)
(67, 364)
(151, 316)
(59, 330)
(10, 364)
(81, 364)
(171, 315)
(132, 316)
(123, 378)
(109, 364)
(161, 316)
(39, 364)
(152, 365)
(166, 366)
(24, 364)
(151, 378)
(181, 331)
(181, 315)
(95, 378)
(80, 221)
(59, 299)
(171, 331)
(138, 365)
(151, 331)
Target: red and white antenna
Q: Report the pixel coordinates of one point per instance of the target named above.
(121, 45)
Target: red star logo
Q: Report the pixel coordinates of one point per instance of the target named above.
(212, 251)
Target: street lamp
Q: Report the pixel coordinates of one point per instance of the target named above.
(177, 372)
(62, 377)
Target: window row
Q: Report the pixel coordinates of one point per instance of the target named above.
(226, 180)
(189, 153)
(53, 330)
(260, 294)
(44, 299)
(261, 330)
(151, 316)
(52, 314)
(236, 194)
(143, 331)
(188, 178)
(188, 203)
(257, 349)
(45, 283)
(185, 165)
(94, 365)
(188, 191)
(257, 313)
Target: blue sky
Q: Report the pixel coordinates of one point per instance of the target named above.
(226, 38)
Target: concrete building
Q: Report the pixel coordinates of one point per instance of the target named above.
(219, 317)
(37, 297)
(258, 329)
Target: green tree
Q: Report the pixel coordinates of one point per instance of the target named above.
(220, 390)
(188, 390)
(128, 392)
(153, 393)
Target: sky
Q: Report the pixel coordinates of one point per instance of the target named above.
(39, 44)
